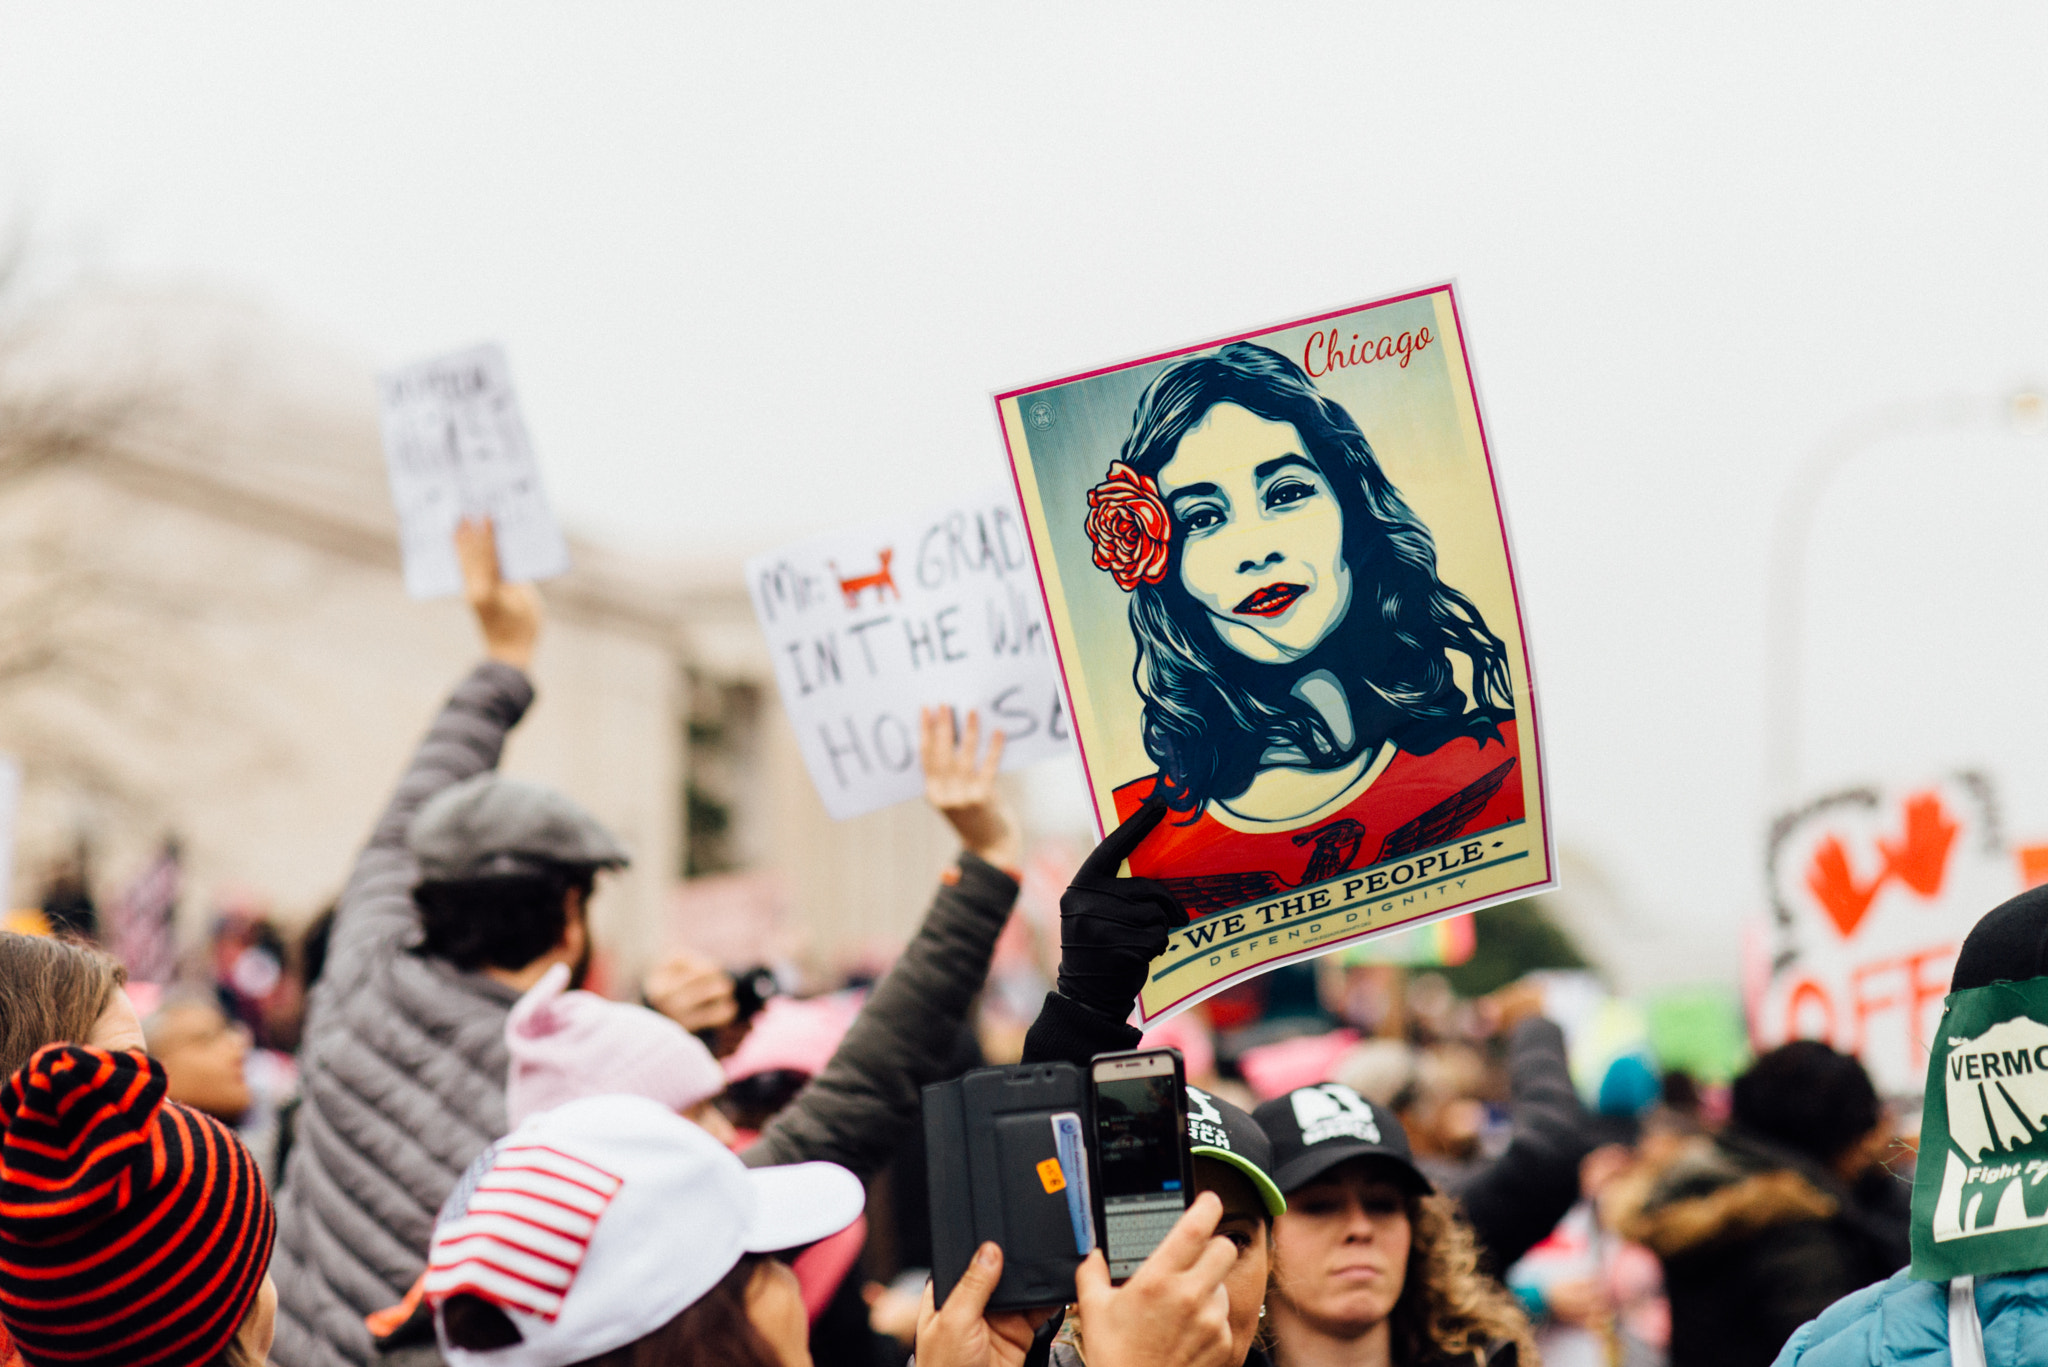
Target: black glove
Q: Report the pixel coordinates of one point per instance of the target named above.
(1111, 928)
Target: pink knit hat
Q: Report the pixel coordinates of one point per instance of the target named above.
(796, 1034)
(567, 1045)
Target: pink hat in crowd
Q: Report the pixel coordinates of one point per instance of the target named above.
(1276, 1069)
(795, 1034)
(566, 1045)
(1187, 1033)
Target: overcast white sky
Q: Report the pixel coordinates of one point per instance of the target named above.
(759, 267)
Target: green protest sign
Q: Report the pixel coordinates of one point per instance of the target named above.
(1980, 1194)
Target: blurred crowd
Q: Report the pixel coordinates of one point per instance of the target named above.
(409, 1134)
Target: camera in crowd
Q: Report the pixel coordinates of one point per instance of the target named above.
(752, 989)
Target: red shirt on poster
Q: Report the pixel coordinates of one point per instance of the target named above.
(1414, 803)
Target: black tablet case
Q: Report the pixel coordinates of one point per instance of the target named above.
(985, 1134)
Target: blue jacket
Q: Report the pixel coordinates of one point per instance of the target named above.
(1903, 1323)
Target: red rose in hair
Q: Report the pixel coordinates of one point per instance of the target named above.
(1129, 525)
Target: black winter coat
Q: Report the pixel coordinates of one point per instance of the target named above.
(1756, 1240)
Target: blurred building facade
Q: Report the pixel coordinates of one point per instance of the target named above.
(204, 634)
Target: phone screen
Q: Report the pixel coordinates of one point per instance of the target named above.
(1139, 1146)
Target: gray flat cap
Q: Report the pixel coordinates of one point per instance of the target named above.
(490, 826)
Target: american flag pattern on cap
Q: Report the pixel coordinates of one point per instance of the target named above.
(522, 1234)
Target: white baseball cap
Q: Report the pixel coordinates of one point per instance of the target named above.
(596, 1223)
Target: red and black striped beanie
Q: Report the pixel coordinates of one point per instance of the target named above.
(132, 1229)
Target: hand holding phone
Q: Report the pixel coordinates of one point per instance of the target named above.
(1144, 1175)
(1174, 1311)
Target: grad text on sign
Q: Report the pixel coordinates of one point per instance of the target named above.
(870, 624)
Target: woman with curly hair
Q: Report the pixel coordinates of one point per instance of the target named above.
(1371, 1266)
(1313, 691)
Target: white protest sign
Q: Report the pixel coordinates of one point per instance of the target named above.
(455, 447)
(1872, 891)
(870, 624)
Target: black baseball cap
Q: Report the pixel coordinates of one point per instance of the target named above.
(1313, 1129)
(1219, 1130)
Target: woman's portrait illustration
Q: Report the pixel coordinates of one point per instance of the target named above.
(1315, 698)
(1277, 575)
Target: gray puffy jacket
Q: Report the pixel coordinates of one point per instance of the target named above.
(403, 1066)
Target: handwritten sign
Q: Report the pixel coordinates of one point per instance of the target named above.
(868, 625)
(455, 447)
(1872, 891)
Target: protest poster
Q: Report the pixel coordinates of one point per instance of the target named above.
(455, 447)
(1872, 890)
(1279, 583)
(1979, 1209)
(870, 624)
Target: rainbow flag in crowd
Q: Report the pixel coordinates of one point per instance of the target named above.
(1440, 944)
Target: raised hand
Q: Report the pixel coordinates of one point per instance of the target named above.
(960, 783)
(694, 993)
(1111, 928)
(1507, 1007)
(1174, 1311)
(962, 1333)
(508, 614)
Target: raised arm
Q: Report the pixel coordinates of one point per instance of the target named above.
(854, 1112)
(464, 739)
(1517, 1199)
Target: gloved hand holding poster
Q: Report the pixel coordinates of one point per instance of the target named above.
(870, 624)
(1278, 577)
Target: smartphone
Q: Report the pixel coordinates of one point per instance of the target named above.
(1144, 1175)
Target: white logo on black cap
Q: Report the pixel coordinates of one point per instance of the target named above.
(1205, 1122)
(1333, 1111)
